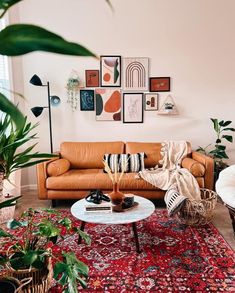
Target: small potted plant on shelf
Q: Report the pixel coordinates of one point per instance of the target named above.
(168, 106)
(31, 246)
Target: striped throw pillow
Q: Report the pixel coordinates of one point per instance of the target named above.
(135, 162)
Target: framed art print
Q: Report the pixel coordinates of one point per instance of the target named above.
(136, 73)
(87, 100)
(133, 108)
(108, 104)
(151, 102)
(159, 84)
(110, 71)
(92, 78)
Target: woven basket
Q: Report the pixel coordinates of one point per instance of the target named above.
(200, 212)
(41, 278)
(6, 214)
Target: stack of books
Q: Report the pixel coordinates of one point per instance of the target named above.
(104, 207)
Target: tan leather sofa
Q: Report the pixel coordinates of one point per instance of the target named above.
(79, 168)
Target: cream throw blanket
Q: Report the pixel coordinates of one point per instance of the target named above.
(171, 173)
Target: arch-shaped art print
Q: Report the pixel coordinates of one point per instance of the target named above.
(136, 73)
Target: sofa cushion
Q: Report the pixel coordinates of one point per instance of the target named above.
(58, 167)
(194, 167)
(75, 179)
(84, 155)
(125, 162)
(151, 149)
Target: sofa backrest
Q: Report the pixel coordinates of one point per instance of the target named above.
(151, 149)
(84, 155)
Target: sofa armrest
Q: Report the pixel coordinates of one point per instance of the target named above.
(42, 176)
(195, 168)
(208, 163)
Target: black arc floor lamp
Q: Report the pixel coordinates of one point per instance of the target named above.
(52, 101)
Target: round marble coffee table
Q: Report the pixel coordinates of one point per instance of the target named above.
(140, 212)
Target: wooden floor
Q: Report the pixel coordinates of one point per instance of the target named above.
(221, 219)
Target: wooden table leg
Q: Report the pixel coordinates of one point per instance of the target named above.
(82, 226)
(136, 237)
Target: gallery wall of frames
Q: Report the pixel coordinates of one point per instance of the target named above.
(122, 90)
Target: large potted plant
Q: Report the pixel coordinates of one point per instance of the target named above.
(32, 244)
(12, 139)
(218, 150)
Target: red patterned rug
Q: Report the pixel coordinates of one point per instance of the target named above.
(174, 258)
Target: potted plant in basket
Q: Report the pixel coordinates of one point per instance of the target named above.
(31, 247)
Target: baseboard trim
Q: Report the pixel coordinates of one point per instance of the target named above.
(29, 187)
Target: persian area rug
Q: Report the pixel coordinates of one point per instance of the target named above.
(174, 258)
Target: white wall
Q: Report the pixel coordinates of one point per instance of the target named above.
(192, 41)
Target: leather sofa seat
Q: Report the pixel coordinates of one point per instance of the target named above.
(94, 179)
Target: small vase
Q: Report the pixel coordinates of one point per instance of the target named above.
(116, 196)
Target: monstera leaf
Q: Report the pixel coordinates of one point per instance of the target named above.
(6, 106)
(5, 5)
(20, 39)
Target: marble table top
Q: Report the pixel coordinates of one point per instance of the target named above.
(140, 212)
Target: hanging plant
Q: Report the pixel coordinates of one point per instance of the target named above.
(73, 87)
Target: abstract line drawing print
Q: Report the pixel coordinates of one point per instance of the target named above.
(132, 108)
(135, 73)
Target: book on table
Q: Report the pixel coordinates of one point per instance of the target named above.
(102, 207)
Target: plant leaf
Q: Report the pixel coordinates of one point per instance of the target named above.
(228, 138)
(225, 123)
(216, 124)
(83, 235)
(19, 39)
(6, 4)
(8, 107)
(9, 202)
(110, 5)
(4, 233)
(229, 128)
(13, 224)
(221, 147)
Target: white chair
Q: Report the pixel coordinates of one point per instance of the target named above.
(225, 187)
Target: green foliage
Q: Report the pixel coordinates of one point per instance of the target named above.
(31, 246)
(12, 139)
(6, 4)
(9, 202)
(219, 150)
(20, 39)
(70, 271)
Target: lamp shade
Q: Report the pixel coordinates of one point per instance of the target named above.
(37, 111)
(35, 80)
(55, 101)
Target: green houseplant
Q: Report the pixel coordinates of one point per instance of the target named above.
(218, 150)
(35, 238)
(12, 159)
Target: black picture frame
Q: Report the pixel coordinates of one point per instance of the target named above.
(105, 69)
(133, 110)
(87, 100)
(159, 84)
